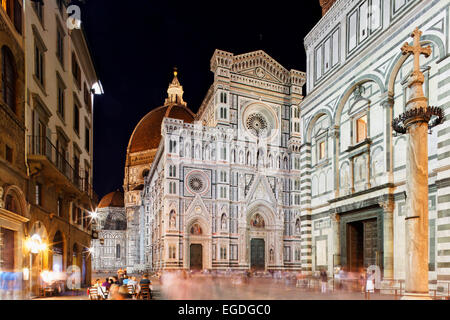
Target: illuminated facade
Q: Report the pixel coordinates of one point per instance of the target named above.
(59, 139)
(223, 190)
(353, 183)
(14, 213)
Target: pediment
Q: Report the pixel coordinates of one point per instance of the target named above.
(260, 65)
(197, 207)
(260, 73)
(261, 190)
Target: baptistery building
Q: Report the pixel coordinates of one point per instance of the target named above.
(109, 250)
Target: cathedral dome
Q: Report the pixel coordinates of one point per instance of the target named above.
(147, 133)
(112, 199)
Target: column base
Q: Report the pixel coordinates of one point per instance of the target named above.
(415, 296)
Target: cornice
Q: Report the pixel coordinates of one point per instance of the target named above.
(327, 22)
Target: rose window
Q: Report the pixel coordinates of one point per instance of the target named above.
(196, 184)
(257, 123)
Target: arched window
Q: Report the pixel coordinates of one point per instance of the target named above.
(224, 222)
(9, 78)
(117, 251)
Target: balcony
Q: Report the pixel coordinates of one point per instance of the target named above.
(44, 158)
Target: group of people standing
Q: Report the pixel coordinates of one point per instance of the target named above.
(120, 287)
(348, 281)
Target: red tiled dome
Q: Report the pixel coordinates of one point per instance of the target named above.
(112, 199)
(147, 133)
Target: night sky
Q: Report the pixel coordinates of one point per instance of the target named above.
(136, 44)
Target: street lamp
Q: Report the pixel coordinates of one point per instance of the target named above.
(35, 245)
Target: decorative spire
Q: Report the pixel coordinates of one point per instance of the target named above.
(175, 91)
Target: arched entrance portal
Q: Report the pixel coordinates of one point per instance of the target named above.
(196, 257)
(257, 245)
(58, 253)
(197, 246)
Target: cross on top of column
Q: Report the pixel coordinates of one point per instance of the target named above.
(416, 49)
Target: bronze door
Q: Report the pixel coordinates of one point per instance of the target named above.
(257, 252)
(355, 246)
(370, 242)
(196, 257)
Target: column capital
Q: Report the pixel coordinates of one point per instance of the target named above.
(387, 205)
(334, 131)
(335, 217)
(387, 99)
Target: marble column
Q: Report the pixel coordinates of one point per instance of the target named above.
(388, 239)
(388, 105)
(335, 223)
(416, 220)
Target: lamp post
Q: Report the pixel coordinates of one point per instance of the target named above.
(35, 246)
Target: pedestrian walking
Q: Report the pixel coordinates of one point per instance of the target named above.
(370, 283)
(324, 280)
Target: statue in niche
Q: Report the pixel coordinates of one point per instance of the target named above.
(297, 226)
(224, 222)
(271, 255)
(172, 219)
(257, 221)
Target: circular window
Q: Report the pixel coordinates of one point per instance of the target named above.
(257, 124)
(260, 121)
(196, 182)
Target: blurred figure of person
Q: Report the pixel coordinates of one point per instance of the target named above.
(123, 293)
(342, 279)
(370, 283)
(362, 280)
(324, 280)
(113, 292)
(132, 281)
(107, 283)
(300, 278)
(97, 283)
(145, 280)
(125, 280)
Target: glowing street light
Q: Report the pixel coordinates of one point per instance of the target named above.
(35, 244)
(94, 214)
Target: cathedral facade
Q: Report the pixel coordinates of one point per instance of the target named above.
(223, 189)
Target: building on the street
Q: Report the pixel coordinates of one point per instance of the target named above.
(353, 165)
(223, 191)
(109, 250)
(60, 77)
(14, 212)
